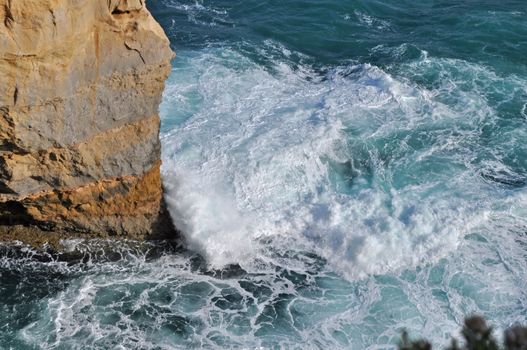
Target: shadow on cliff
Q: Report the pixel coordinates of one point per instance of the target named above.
(164, 228)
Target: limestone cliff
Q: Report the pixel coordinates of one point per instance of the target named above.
(80, 85)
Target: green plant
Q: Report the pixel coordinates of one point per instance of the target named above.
(477, 336)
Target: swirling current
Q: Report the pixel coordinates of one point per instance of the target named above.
(340, 170)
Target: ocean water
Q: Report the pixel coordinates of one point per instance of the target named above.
(340, 170)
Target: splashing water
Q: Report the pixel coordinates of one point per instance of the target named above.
(339, 171)
(375, 173)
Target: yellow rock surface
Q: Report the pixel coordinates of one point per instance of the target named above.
(80, 86)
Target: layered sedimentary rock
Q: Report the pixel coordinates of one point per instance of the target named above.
(80, 85)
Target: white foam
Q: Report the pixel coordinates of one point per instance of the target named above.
(255, 157)
(199, 14)
(370, 21)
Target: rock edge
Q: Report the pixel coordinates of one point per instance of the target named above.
(80, 86)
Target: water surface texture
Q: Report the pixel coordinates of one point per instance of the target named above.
(341, 170)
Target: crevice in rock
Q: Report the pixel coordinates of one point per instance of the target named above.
(119, 12)
(5, 190)
(163, 227)
(9, 19)
(14, 213)
(6, 174)
(53, 20)
(124, 7)
(136, 50)
(15, 96)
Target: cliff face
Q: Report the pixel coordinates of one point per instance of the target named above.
(80, 85)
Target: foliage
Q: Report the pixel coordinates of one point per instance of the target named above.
(477, 336)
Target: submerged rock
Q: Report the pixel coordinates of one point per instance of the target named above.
(80, 85)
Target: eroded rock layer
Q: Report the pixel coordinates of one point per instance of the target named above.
(80, 85)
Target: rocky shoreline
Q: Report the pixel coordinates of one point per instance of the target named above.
(79, 125)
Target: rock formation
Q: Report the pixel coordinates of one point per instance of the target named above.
(80, 85)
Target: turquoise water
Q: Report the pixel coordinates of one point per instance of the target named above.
(341, 170)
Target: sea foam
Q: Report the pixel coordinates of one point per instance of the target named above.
(363, 167)
(356, 201)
